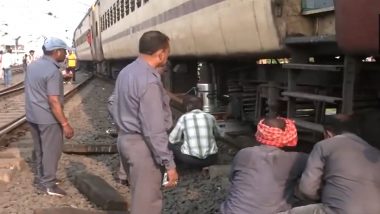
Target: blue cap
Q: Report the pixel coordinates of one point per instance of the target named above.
(53, 43)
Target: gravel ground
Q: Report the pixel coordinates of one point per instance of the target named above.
(87, 113)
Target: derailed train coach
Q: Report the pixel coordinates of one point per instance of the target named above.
(299, 58)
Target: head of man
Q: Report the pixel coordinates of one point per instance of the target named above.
(337, 124)
(154, 48)
(31, 52)
(55, 48)
(192, 103)
(278, 132)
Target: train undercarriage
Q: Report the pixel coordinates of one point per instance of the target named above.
(311, 81)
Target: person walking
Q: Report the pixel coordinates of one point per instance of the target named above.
(7, 62)
(141, 114)
(71, 64)
(44, 113)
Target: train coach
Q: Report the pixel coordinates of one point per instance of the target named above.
(299, 58)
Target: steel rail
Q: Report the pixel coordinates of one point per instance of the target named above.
(21, 120)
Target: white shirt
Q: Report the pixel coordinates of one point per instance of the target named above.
(8, 60)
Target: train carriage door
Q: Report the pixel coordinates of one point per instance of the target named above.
(96, 43)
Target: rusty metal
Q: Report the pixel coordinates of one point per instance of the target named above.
(357, 26)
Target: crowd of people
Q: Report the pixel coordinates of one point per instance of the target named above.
(340, 175)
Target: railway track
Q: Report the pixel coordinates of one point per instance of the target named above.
(12, 104)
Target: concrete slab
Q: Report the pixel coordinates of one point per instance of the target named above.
(6, 175)
(73, 211)
(99, 191)
(12, 163)
(73, 148)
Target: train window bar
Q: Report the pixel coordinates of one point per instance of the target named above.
(96, 29)
(138, 3)
(126, 7)
(122, 9)
(118, 10)
(132, 4)
(111, 17)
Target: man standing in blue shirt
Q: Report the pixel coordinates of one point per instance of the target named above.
(142, 115)
(44, 113)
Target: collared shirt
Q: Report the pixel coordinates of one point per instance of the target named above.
(263, 180)
(8, 60)
(41, 80)
(344, 172)
(141, 106)
(197, 130)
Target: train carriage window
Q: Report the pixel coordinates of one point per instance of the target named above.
(114, 13)
(101, 23)
(138, 3)
(104, 22)
(132, 4)
(111, 15)
(108, 18)
(126, 7)
(118, 10)
(122, 9)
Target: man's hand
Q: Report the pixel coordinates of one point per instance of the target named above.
(172, 178)
(68, 131)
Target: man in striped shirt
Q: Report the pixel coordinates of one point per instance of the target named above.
(193, 138)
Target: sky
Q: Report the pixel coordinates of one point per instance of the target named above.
(33, 20)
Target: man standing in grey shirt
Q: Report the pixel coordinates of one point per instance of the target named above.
(342, 172)
(44, 113)
(263, 177)
(142, 115)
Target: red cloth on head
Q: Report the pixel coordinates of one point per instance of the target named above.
(275, 136)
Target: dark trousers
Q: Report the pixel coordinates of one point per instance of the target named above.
(48, 145)
(189, 160)
(72, 69)
(144, 175)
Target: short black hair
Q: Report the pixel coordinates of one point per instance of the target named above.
(192, 102)
(338, 124)
(152, 41)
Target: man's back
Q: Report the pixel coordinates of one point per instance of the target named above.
(199, 131)
(349, 172)
(263, 178)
